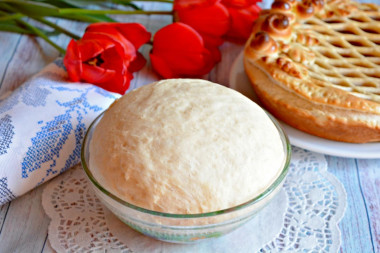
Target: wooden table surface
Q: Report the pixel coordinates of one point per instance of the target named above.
(23, 222)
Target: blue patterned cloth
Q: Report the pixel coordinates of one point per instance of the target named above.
(42, 125)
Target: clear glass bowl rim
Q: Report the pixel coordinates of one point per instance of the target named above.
(271, 188)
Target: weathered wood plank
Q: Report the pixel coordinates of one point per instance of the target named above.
(3, 214)
(25, 226)
(47, 248)
(9, 43)
(369, 177)
(31, 56)
(354, 226)
(221, 73)
(27, 55)
(74, 27)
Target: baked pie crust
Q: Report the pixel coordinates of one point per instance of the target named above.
(315, 65)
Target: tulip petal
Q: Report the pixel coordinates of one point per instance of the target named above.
(137, 64)
(173, 67)
(116, 38)
(215, 54)
(242, 20)
(161, 67)
(239, 3)
(73, 61)
(119, 84)
(180, 62)
(178, 51)
(134, 32)
(179, 4)
(107, 79)
(211, 41)
(97, 75)
(178, 36)
(112, 75)
(91, 48)
(212, 20)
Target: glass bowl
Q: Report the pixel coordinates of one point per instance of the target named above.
(184, 228)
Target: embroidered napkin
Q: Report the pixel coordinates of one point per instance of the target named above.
(42, 125)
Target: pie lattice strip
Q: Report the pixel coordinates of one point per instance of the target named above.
(348, 56)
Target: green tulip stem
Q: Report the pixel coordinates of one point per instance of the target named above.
(39, 33)
(34, 30)
(137, 12)
(56, 27)
(11, 17)
(161, 1)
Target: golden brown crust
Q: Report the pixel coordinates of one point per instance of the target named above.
(263, 44)
(277, 25)
(324, 60)
(322, 120)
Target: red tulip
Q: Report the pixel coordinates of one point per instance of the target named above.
(180, 4)
(107, 55)
(242, 13)
(208, 17)
(179, 51)
(134, 32)
(210, 20)
(239, 3)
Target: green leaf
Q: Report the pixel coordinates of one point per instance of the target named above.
(57, 29)
(18, 27)
(89, 18)
(52, 33)
(85, 3)
(39, 32)
(30, 8)
(101, 18)
(11, 17)
(39, 9)
(62, 3)
(115, 12)
(130, 4)
(14, 29)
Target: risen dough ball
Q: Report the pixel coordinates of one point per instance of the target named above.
(185, 146)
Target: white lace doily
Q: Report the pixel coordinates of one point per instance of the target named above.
(302, 218)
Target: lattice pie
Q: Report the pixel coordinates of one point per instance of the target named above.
(316, 66)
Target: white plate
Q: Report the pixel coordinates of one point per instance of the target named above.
(240, 82)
